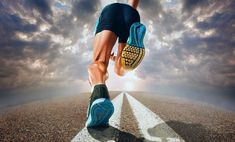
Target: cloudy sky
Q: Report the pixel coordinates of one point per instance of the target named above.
(47, 45)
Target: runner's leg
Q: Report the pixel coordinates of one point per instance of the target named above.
(102, 47)
(100, 108)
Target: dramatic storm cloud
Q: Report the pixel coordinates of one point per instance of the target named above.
(45, 42)
(189, 45)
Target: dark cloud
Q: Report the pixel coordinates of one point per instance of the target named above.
(150, 8)
(39, 39)
(42, 6)
(70, 24)
(66, 26)
(171, 22)
(222, 22)
(11, 23)
(4, 73)
(84, 9)
(167, 24)
(11, 46)
(190, 5)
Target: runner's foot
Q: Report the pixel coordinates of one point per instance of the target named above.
(134, 51)
(100, 108)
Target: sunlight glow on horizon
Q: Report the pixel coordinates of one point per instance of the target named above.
(129, 82)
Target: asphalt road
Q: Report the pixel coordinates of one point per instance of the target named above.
(61, 118)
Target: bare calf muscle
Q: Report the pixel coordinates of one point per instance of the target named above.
(97, 73)
(103, 44)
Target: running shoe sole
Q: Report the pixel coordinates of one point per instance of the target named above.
(133, 53)
(100, 112)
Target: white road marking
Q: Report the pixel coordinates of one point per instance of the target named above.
(147, 120)
(114, 121)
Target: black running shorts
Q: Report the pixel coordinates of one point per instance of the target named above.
(118, 18)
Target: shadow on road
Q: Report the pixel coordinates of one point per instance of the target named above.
(194, 132)
(111, 133)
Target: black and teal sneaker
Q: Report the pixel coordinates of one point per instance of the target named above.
(133, 53)
(100, 108)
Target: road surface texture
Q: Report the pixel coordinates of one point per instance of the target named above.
(191, 120)
(143, 117)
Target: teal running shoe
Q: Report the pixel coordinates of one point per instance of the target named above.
(133, 53)
(100, 108)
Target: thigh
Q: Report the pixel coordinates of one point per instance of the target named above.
(103, 45)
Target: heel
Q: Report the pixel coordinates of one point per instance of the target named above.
(137, 33)
(101, 110)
